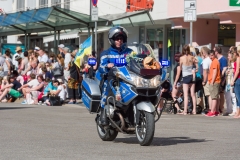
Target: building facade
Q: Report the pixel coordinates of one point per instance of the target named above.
(215, 25)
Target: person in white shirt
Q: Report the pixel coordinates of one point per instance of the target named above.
(7, 66)
(43, 57)
(60, 91)
(61, 87)
(31, 84)
(206, 63)
(67, 60)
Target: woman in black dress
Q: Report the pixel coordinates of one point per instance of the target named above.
(73, 80)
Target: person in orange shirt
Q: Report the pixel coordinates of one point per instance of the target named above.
(214, 79)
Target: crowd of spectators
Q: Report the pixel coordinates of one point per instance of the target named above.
(206, 75)
(210, 76)
(36, 74)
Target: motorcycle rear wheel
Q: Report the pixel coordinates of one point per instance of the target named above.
(106, 134)
(145, 129)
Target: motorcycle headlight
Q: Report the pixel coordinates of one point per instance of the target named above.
(155, 82)
(142, 82)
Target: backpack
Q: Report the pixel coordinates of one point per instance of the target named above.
(57, 70)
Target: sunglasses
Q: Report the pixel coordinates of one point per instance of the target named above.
(118, 38)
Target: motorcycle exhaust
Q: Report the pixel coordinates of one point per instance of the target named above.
(119, 129)
(123, 123)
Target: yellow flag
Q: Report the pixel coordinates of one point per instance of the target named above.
(169, 43)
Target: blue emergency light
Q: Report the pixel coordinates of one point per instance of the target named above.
(165, 63)
(92, 61)
(120, 61)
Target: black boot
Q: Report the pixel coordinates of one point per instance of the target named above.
(103, 117)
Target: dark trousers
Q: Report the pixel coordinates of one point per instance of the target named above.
(72, 93)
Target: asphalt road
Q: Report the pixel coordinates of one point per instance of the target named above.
(69, 132)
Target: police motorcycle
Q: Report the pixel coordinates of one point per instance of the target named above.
(133, 98)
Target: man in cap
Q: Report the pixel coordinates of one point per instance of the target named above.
(19, 59)
(67, 60)
(36, 49)
(18, 53)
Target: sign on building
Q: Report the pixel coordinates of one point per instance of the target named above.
(234, 3)
(190, 9)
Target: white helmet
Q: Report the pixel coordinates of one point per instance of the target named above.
(116, 31)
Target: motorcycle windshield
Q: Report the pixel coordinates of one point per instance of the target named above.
(144, 62)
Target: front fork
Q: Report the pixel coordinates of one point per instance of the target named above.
(142, 106)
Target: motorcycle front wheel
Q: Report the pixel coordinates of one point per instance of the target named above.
(145, 129)
(106, 134)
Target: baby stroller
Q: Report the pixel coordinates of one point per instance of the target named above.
(170, 103)
(166, 96)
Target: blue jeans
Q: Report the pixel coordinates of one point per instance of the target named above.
(237, 91)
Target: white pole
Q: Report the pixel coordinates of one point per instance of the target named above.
(191, 35)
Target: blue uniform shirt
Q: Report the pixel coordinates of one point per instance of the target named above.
(110, 55)
(106, 57)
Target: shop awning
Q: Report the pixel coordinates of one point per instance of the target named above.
(123, 19)
(56, 19)
(44, 19)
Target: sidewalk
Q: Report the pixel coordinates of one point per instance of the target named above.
(79, 103)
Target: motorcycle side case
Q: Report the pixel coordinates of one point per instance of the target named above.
(91, 95)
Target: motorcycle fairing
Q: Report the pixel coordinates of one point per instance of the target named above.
(86, 99)
(126, 92)
(125, 72)
(91, 94)
(145, 106)
(91, 86)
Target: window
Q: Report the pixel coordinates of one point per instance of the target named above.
(43, 3)
(141, 34)
(154, 37)
(67, 4)
(56, 3)
(20, 5)
(227, 34)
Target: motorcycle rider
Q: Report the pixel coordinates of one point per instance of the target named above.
(117, 37)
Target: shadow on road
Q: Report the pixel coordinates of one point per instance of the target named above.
(161, 141)
(8, 108)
